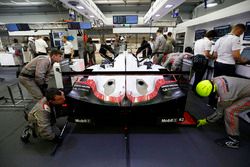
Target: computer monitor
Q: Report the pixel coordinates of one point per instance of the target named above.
(132, 19)
(74, 25)
(199, 34)
(128, 19)
(119, 19)
(23, 27)
(12, 27)
(247, 32)
(246, 53)
(222, 30)
(85, 25)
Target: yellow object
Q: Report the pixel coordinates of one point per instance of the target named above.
(201, 122)
(204, 88)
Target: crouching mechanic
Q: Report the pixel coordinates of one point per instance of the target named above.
(42, 117)
(35, 75)
(233, 97)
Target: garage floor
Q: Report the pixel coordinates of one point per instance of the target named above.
(183, 146)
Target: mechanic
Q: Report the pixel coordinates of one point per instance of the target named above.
(160, 47)
(227, 52)
(68, 48)
(202, 55)
(42, 117)
(35, 75)
(233, 97)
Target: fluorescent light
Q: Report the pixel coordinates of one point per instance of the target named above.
(169, 6)
(157, 15)
(91, 16)
(79, 7)
(212, 4)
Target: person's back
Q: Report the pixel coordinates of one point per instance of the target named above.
(236, 88)
(41, 46)
(42, 117)
(160, 44)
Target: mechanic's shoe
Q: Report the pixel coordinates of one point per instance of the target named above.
(229, 142)
(25, 135)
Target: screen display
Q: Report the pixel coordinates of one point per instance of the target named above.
(23, 27)
(85, 25)
(57, 43)
(74, 25)
(129, 19)
(247, 32)
(12, 27)
(199, 34)
(222, 30)
(246, 53)
(133, 19)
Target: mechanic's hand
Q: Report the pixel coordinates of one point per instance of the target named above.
(201, 122)
(43, 88)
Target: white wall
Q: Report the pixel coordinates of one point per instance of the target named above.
(243, 18)
(238, 13)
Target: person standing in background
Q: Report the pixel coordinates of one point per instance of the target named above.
(31, 47)
(116, 45)
(170, 40)
(169, 47)
(41, 46)
(143, 43)
(68, 48)
(202, 55)
(227, 52)
(18, 52)
(91, 48)
(159, 47)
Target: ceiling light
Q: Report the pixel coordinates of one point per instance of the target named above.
(157, 15)
(169, 6)
(91, 16)
(212, 4)
(79, 7)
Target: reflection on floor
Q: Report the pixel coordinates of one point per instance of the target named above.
(106, 146)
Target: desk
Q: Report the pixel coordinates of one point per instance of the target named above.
(7, 59)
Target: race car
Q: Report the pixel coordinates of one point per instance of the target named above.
(125, 89)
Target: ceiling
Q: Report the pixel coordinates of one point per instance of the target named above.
(106, 6)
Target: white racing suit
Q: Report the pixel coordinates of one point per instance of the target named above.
(234, 97)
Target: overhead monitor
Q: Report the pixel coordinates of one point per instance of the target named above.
(23, 27)
(222, 30)
(247, 32)
(11, 27)
(74, 25)
(132, 19)
(128, 19)
(85, 25)
(199, 34)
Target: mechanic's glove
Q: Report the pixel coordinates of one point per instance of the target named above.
(201, 122)
(43, 88)
(57, 139)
